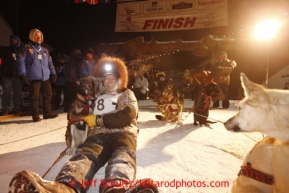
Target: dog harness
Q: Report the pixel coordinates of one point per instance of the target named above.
(171, 109)
(168, 104)
(168, 99)
(85, 110)
(206, 101)
(255, 174)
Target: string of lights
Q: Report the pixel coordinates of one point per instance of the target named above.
(144, 59)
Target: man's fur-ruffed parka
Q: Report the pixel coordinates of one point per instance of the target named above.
(117, 68)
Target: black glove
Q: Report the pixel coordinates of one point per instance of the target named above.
(61, 74)
(25, 80)
(53, 78)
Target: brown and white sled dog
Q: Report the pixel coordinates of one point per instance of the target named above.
(171, 111)
(88, 88)
(265, 168)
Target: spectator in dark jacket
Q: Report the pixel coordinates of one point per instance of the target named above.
(88, 63)
(10, 78)
(221, 72)
(73, 69)
(60, 82)
(35, 67)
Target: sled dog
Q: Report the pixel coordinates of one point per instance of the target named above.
(170, 111)
(202, 103)
(265, 168)
(88, 88)
(166, 95)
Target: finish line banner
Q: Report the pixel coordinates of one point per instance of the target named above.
(170, 15)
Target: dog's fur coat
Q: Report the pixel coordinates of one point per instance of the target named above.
(88, 88)
(171, 112)
(202, 103)
(166, 95)
(170, 104)
(266, 111)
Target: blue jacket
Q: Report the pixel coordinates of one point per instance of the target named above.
(35, 62)
(87, 68)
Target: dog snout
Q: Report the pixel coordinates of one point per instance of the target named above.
(236, 128)
(231, 125)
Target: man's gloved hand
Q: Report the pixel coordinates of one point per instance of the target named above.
(61, 74)
(90, 120)
(25, 80)
(53, 78)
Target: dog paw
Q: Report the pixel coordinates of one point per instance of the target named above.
(69, 152)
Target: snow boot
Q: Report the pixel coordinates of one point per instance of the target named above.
(30, 182)
(5, 112)
(50, 116)
(17, 111)
(36, 118)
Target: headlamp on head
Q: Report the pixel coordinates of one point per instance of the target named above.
(107, 67)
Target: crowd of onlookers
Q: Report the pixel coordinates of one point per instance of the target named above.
(50, 82)
(151, 83)
(54, 79)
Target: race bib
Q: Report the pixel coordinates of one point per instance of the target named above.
(105, 103)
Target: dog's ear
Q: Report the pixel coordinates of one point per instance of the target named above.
(78, 85)
(251, 89)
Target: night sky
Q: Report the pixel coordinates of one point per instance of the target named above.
(66, 25)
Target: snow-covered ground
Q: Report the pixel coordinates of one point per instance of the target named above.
(180, 158)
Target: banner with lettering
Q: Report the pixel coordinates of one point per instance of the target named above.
(170, 15)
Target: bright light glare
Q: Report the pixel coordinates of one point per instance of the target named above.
(108, 67)
(266, 29)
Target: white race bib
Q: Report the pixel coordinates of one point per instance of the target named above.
(105, 103)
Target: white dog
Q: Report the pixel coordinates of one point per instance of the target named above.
(265, 168)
